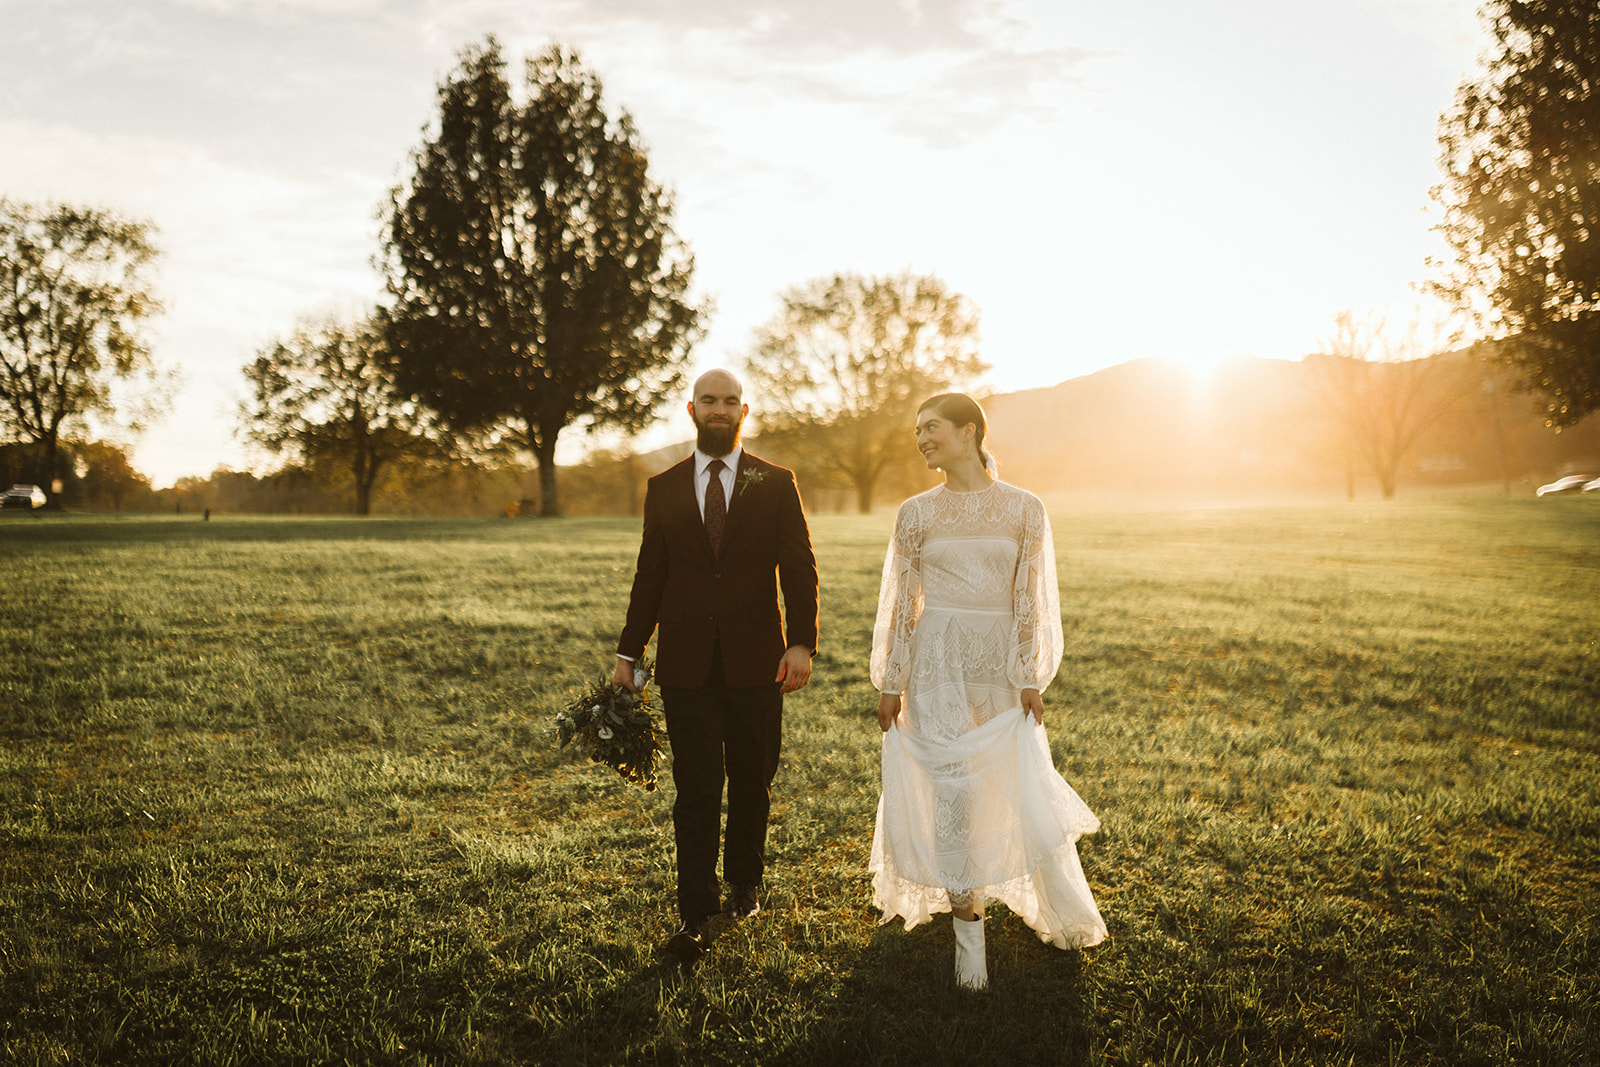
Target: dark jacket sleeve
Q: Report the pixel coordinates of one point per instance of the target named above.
(797, 571)
(649, 582)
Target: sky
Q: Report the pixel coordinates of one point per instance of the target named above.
(1189, 179)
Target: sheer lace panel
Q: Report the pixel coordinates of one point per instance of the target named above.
(968, 610)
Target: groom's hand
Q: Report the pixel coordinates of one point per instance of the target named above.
(794, 669)
(623, 675)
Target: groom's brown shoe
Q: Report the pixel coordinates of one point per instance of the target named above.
(743, 901)
(688, 943)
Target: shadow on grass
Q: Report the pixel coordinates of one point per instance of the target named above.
(899, 1003)
(759, 996)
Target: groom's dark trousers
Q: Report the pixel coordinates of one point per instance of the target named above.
(719, 730)
(720, 636)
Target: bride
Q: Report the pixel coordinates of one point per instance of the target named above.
(968, 635)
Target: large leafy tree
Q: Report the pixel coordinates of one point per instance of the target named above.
(846, 360)
(327, 395)
(1520, 149)
(74, 293)
(538, 283)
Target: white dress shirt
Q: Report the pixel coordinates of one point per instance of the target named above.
(702, 477)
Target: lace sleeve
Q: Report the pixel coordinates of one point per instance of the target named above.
(1035, 603)
(899, 604)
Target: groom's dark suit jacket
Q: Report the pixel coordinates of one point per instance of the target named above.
(697, 599)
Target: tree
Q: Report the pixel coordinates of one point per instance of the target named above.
(1383, 390)
(537, 281)
(845, 362)
(109, 480)
(328, 395)
(1520, 150)
(73, 295)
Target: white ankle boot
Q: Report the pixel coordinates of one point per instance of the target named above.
(972, 971)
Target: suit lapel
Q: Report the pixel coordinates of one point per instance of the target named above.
(683, 495)
(738, 473)
(683, 499)
(738, 503)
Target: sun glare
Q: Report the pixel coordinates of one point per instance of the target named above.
(1202, 368)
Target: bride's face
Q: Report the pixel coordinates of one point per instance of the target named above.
(940, 441)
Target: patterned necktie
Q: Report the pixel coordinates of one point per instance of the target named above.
(716, 506)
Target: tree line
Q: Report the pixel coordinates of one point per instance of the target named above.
(534, 285)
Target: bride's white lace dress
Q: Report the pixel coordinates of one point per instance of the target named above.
(968, 617)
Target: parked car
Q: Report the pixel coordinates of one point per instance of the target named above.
(23, 496)
(1572, 483)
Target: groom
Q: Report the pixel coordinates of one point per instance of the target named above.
(723, 532)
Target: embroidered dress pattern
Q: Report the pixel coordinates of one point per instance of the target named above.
(968, 616)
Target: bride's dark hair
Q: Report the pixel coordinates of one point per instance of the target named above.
(962, 410)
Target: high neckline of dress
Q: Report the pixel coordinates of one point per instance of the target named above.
(972, 492)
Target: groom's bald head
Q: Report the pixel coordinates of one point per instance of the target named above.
(718, 381)
(718, 410)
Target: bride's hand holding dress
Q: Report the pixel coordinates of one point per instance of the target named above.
(1033, 704)
(888, 710)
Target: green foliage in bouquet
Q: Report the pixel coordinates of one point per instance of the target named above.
(616, 727)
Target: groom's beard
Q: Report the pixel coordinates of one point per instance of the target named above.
(717, 438)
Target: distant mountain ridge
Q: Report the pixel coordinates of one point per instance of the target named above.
(1259, 426)
(1245, 427)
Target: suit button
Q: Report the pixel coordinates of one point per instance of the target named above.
(716, 574)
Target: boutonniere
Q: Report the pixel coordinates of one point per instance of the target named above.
(748, 477)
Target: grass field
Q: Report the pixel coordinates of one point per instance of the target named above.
(281, 791)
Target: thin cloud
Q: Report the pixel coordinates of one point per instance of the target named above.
(939, 71)
(947, 100)
(281, 8)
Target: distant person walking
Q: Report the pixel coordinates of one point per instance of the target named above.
(968, 635)
(723, 532)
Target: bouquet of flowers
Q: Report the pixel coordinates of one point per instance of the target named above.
(614, 726)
